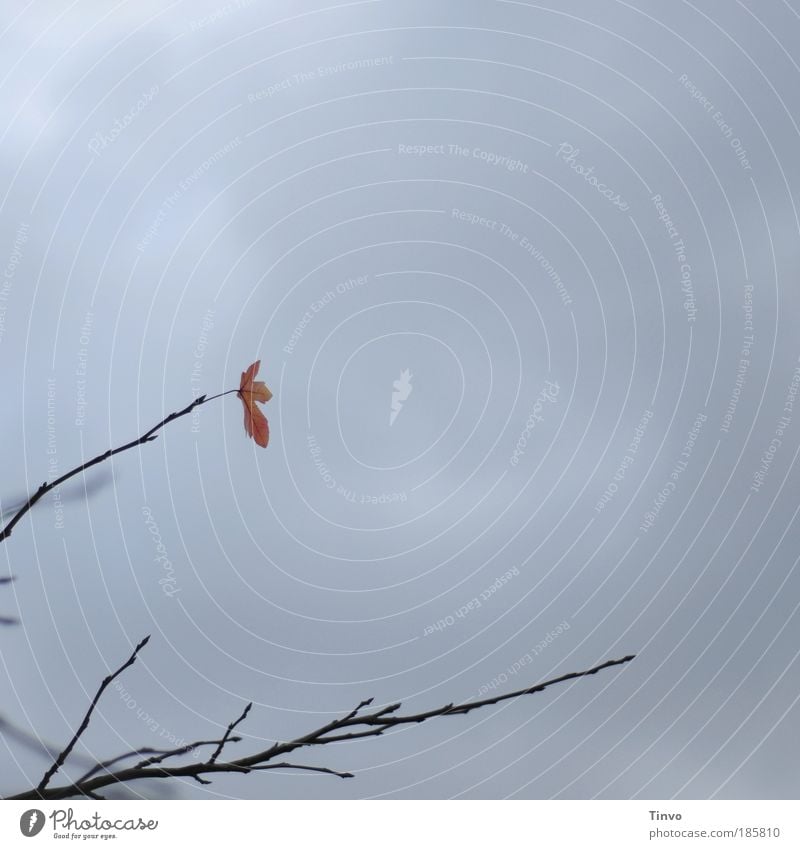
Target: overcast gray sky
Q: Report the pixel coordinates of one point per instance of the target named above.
(523, 282)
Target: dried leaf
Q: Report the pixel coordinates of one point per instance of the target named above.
(252, 391)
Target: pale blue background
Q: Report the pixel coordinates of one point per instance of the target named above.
(285, 592)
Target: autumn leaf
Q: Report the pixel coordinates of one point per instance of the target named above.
(252, 391)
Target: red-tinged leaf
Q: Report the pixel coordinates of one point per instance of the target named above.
(252, 391)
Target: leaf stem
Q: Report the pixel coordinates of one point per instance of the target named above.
(220, 395)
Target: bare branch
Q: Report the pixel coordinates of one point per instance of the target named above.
(59, 761)
(225, 739)
(173, 753)
(80, 490)
(90, 795)
(323, 769)
(149, 436)
(354, 725)
(158, 755)
(357, 708)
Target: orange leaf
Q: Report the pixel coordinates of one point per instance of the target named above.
(250, 391)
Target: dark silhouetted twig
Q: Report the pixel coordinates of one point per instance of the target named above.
(82, 490)
(354, 725)
(59, 761)
(145, 437)
(157, 756)
(227, 736)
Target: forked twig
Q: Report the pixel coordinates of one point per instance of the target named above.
(354, 725)
(59, 761)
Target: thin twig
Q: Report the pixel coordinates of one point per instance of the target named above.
(158, 755)
(59, 761)
(227, 735)
(353, 726)
(184, 750)
(149, 436)
(80, 490)
(323, 769)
